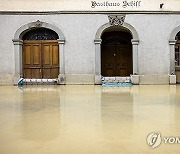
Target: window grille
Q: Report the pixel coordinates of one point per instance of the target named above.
(115, 40)
(40, 34)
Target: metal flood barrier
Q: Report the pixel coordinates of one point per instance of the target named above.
(116, 81)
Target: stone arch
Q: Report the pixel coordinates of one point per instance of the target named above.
(125, 25)
(18, 42)
(174, 33)
(27, 27)
(135, 42)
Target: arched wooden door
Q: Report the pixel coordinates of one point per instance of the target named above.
(116, 54)
(40, 54)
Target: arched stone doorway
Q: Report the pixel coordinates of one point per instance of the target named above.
(116, 53)
(18, 48)
(126, 29)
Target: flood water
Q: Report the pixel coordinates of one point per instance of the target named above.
(88, 119)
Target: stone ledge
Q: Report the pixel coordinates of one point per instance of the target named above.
(80, 79)
(6, 79)
(154, 79)
(97, 79)
(172, 79)
(62, 79)
(135, 79)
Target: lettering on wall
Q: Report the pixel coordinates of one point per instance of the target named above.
(123, 4)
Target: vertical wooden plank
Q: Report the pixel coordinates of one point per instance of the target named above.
(108, 60)
(27, 73)
(36, 51)
(54, 72)
(36, 73)
(124, 60)
(55, 55)
(46, 54)
(51, 59)
(27, 54)
(46, 72)
(51, 52)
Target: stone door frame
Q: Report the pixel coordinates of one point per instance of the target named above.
(18, 42)
(135, 43)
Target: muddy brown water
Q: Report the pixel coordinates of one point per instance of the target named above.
(88, 119)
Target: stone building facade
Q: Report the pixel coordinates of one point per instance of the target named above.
(91, 44)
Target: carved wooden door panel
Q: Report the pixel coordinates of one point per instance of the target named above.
(123, 60)
(108, 60)
(50, 60)
(116, 60)
(32, 59)
(40, 59)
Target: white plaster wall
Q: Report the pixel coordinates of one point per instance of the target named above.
(85, 5)
(79, 31)
(154, 32)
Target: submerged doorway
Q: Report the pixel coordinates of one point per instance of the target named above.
(40, 54)
(116, 54)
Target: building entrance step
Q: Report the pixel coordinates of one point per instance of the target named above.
(126, 79)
